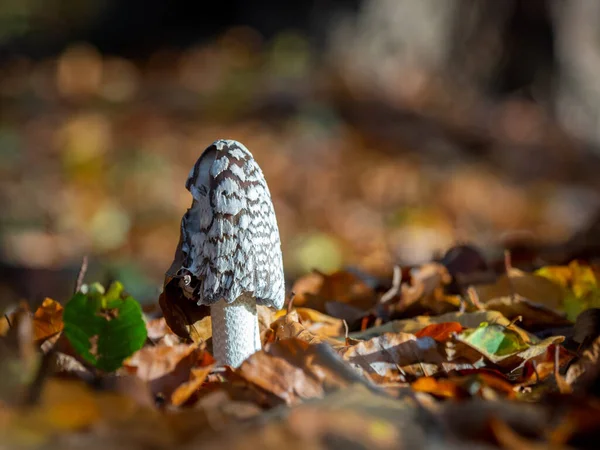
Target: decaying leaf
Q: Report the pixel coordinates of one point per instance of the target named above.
(584, 375)
(466, 320)
(480, 383)
(47, 320)
(187, 389)
(505, 346)
(535, 288)
(184, 317)
(166, 367)
(387, 357)
(425, 292)
(293, 370)
(290, 326)
(533, 316)
(440, 331)
(316, 289)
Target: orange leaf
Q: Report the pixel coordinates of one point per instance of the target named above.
(47, 320)
(440, 331)
(187, 389)
(440, 388)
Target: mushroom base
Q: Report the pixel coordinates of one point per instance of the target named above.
(235, 332)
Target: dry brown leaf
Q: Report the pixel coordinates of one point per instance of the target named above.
(183, 393)
(289, 326)
(534, 316)
(316, 289)
(292, 370)
(440, 331)
(535, 288)
(584, 374)
(47, 320)
(541, 367)
(184, 317)
(386, 358)
(467, 320)
(319, 323)
(478, 382)
(439, 387)
(426, 291)
(157, 328)
(166, 367)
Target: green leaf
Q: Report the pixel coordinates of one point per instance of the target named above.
(104, 328)
(493, 340)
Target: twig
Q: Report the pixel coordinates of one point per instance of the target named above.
(290, 303)
(396, 285)
(8, 320)
(81, 274)
(472, 293)
(346, 331)
(507, 261)
(515, 320)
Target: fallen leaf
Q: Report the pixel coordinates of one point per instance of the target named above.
(579, 286)
(316, 289)
(385, 358)
(293, 370)
(584, 375)
(289, 326)
(157, 328)
(440, 331)
(440, 388)
(104, 328)
(47, 320)
(319, 323)
(425, 292)
(533, 287)
(183, 393)
(533, 316)
(504, 345)
(184, 317)
(587, 326)
(493, 340)
(165, 367)
(466, 320)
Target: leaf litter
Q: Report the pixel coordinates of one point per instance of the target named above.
(426, 361)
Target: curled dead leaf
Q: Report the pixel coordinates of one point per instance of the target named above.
(47, 320)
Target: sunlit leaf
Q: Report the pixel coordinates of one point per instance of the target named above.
(493, 339)
(104, 328)
(440, 331)
(47, 320)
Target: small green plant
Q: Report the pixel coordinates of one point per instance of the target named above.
(104, 327)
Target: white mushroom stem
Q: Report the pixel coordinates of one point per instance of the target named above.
(235, 334)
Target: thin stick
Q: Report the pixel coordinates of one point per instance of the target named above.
(507, 261)
(472, 293)
(81, 274)
(290, 302)
(345, 331)
(396, 284)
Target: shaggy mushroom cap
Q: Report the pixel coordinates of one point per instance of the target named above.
(230, 245)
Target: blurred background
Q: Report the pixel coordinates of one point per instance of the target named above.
(388, 130)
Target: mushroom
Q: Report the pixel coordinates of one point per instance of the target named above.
(230, 248)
